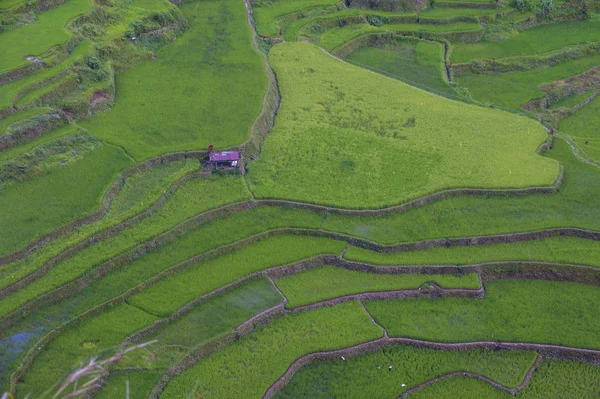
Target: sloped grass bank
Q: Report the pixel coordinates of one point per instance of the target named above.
(251, 364)
(417, 61)
(197, 196)
(217, 233)
(397, 149)
(137, 194)
(204, 88)
(368, 374)
(511, 311)
(328, 282)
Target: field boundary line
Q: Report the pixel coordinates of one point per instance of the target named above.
(435, 292)
(275, 272)
(453, 374)
(512, 391)
(553, 351)
(80, 282)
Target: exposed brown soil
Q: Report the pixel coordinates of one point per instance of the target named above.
(99, 97)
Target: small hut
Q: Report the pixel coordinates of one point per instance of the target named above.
(228, 159)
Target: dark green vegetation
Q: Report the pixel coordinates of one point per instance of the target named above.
(416, 61)
(410, 366)
(153, 245)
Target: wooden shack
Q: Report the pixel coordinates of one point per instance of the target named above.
(227, 159)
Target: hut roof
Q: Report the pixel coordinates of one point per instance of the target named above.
(224, 156)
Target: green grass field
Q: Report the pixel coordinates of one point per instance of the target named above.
(417, 61)
(554, 377)
(93, 337)
(538, 40)
(299, 162)
(57, 197)
(512, 311)
(158, 111)
(267, 15)
(248, 365)
(35, 39)
(553, 250)
(461, 388)
(197, 196)
(125, 81)
(368, 374)
(575, 205)
(11, 89)
(513, 89)
(327, 282)
(335, 37)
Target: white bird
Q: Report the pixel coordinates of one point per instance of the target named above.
(343, 358)
(403, 385)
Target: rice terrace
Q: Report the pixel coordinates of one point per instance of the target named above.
(299, 199)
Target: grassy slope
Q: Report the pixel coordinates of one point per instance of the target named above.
(57, 197)
(577, 204)
(512, 311)
(208, 320)
(208, 236)
(265, 16)
(168, 295)
(533, 41)
(420, 62)
(556, 250)
(513, 89)
(138, 192)
(36, 38)
(328, 282)
(251, 364)
(196, 196)
(206, 87)
(353, 138)
(335, 37)
(11, 89)
(368, 372)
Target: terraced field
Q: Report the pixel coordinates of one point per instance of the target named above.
(414, 211)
